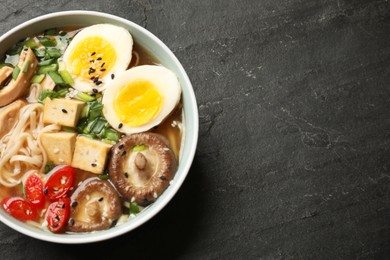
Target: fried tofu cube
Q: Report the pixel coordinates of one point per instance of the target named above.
(59, 146)
(62, 111)
(90, 155)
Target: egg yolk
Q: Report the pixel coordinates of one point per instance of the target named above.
(92, 57)
(137, 103)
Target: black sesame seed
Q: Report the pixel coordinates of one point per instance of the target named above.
(92, 61)
(101, 199)
(120, 125)
(95, 90)
(120, 146)
(95, 79)
(63, 205)
(71, 221)
(74, 204)
(64, 111)
(93, 95)
(98, 82)
(103, 65)
(123, 153)
(57, 218)
(126, 175)
(92, 78)
(103, 70)
(112, 76)
(163, 178)
(91, 70)
(100, 58)
(93, 164)
(45, 191)
(93, 53)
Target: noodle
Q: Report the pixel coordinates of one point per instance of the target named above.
(21, 151)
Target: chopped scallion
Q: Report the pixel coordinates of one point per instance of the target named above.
(16, 72)
(38, 78)
(85, 97)
(46, 62)
(30, 43)
(26, 65)
(66, 77)
(56, 77)
(46, 69)
(54, 53)
(138, 148)
(68, 129)
(47, 42)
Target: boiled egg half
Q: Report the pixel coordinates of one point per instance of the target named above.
(96, 55)
(140, 98)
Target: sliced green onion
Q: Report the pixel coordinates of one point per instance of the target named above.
(47, 94)
(56, 77)
(112, 135)
(89, 127)
(49, 166)
(95, 110)
(138, 148)
(51, 32)
(99, 125)
(40, 53)
(68, 129)
(30, 43)
(81, 125)
(22, 189)
(85, 111)
(15, 72)
(46, 69)
(47, 42)
(85, 97)
(62, 92)
(134, 208)
(103, 177)
(66, 77)
(54, 53)
(46, 62)
(37, 78)
(26, 65)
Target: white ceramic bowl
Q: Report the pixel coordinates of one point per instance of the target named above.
(191, 121)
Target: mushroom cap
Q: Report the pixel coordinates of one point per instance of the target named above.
(141, 166)
(95, 205)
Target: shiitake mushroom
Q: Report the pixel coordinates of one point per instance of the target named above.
(95, 205)
(141, 166)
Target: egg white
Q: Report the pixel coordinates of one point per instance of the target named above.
(164, 81)
(119, 38)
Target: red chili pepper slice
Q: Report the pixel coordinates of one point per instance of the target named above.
(34, 191)
(58, 214)
(19, 208)
(59, 183)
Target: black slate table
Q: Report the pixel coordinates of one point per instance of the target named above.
(294, 138)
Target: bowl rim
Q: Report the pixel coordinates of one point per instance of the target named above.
(184, 164)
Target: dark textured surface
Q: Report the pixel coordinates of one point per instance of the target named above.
(294, 145)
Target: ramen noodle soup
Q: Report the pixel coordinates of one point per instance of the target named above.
(90, 129)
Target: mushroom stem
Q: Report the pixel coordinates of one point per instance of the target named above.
(140, 161)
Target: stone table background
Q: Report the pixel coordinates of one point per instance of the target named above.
(294, 144)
